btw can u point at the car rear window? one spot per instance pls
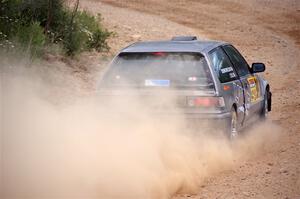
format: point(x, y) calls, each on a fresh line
point(159, 69)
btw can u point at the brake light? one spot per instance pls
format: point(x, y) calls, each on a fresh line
point(205, 102)
point(159, 53)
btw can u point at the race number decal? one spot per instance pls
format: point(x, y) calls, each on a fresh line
point(254, 88)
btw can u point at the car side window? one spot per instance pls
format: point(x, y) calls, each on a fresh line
point(222, 65)
point(237, 59)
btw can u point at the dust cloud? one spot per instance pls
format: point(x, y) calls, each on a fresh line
point(80, 148)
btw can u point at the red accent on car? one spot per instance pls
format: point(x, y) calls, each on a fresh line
point(159, 53)
point(204, 102)
point(226, 88)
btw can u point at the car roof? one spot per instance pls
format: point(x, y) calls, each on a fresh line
point(201, 46)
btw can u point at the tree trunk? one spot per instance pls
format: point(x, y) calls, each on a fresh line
point(49, 16)
point(74, 10)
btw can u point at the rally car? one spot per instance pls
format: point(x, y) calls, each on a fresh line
point(210, 80)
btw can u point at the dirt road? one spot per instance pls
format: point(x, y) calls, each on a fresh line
point(59, 140)
point(266, 31)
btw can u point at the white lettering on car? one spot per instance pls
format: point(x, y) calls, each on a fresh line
point(232, 75)
point(226, 70)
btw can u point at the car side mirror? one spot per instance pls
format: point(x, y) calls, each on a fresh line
point(258, 67)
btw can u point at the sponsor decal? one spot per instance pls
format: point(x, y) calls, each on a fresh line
point(254, 88)
point(241, 109)
point(226, 70)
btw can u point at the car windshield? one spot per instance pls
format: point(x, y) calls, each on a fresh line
point(159, 69)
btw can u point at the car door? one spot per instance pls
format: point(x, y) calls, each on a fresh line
point(249, 81)
point(231, 86)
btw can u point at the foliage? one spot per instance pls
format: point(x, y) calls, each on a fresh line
point(85, 34)
point(31, 36)
point(39, 23)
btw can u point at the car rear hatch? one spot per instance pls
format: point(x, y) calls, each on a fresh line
point(164, 82)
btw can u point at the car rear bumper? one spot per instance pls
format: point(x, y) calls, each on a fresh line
point(217, 121)
point(212, 121)
point(208, 116)
point(195, 116)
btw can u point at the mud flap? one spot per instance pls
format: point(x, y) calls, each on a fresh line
point(269, 101)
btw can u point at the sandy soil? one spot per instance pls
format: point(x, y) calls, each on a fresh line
point(266, 31)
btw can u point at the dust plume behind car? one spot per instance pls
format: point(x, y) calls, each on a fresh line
point(78, 150)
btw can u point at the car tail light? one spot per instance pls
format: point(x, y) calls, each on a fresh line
point(205, 102)
point(159, 54)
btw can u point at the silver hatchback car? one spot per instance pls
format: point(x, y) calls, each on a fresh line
point(210, 80)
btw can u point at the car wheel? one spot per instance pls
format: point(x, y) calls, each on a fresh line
point(265, 111)
point(233, 125)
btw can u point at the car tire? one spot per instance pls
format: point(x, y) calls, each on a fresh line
point(265, 106)
point(232, 128)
